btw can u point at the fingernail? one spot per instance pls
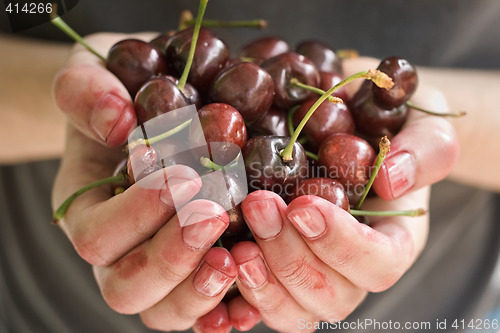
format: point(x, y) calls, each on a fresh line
point(177, 191)
point(264, 218)
point(106, 114)
point(308, 221)
point(209, 281)
point(401, 172)
point(253, 273)
point(200, 231)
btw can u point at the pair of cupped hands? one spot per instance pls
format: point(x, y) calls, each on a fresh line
point(311, 260)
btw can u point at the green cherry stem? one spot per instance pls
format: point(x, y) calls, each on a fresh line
point(199, 18)
point(187, 20)
point(433, 113)
point(411, 212)
point(159, 137)
point(379, 78)
point(61, 210)
point(297, 83)
point(64, 27)
point(209, 164)
point(384, 147)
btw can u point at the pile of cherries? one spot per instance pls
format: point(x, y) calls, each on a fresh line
point(252, 103)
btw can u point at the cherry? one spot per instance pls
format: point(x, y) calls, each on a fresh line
point(263, 48)
point(245, 86)
point(156, 97)
point(348, 159)
point(161, 42)
point(404, 76)
point(329, 118)
point(134, 61)
point(209, 58)
point(192, 95)
point(265, 168)
point(328, 80)
point(282, 69)
point(372, 120)
point(223, 129)
point(141, 162)
point(321, 55)
point(325, 188)
point(274, 122)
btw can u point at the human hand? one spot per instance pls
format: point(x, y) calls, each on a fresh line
point(144, 261)
point(313, 261)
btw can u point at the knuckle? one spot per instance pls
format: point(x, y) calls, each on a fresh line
point(296, 274)
point(90, 248)
point(115, 300)
point(384, 282)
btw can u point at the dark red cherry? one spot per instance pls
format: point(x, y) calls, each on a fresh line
point(264, 48)
point(223, 129)
point(371, 119)
point(265, 168)
point(325, 188)
point(274, 122)
point(329, 118)
point(328, 80)
point(245, 86)
point(134, 61)
point(161, 42)
point(349, 160)
point(192, 95)
point(156, 97)
point(286, 66)
point(321, 55)
point(404, 76)
point(141, 162)
point(209, 58)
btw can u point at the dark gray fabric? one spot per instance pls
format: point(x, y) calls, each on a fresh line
point(46, 287)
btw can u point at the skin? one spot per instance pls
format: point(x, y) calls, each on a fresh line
point(336, 280)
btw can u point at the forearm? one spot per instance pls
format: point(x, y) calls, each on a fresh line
point(31, 127)
point(477, 93)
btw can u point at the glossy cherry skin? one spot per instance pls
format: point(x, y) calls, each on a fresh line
point(321, 55)
point(265, 168)
point(224, 131)
point(141, 162)
point(161, 42)
point(274, 122)
point(245, 86)
point(210, 57)
point(282, 69)
point(404, 76)
point(264, 48)
point(325, 188)
point(192, 95)
point(349, 160)
point(329, 118)
point(328, 80)
point(156, 97)
point(134, 61)
point(372, 120)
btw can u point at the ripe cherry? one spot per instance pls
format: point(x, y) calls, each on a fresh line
point(134, 61)
point(209, 58)
point(274, 122)
point(321, 55)
point(328, 80)
point(223, 129)
point(404, 76)
point(325, 188)
point(264, 48)
point(286, 66)
point(245, 86)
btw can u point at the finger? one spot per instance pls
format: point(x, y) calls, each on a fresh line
point(102, 230)
point(373, 258)
point(264, 292)
point(201, 292)
point(242, 315)
point(422, 153)
point(313, 284)
point(93, 99)
point(216, 321)
point(153, 269)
